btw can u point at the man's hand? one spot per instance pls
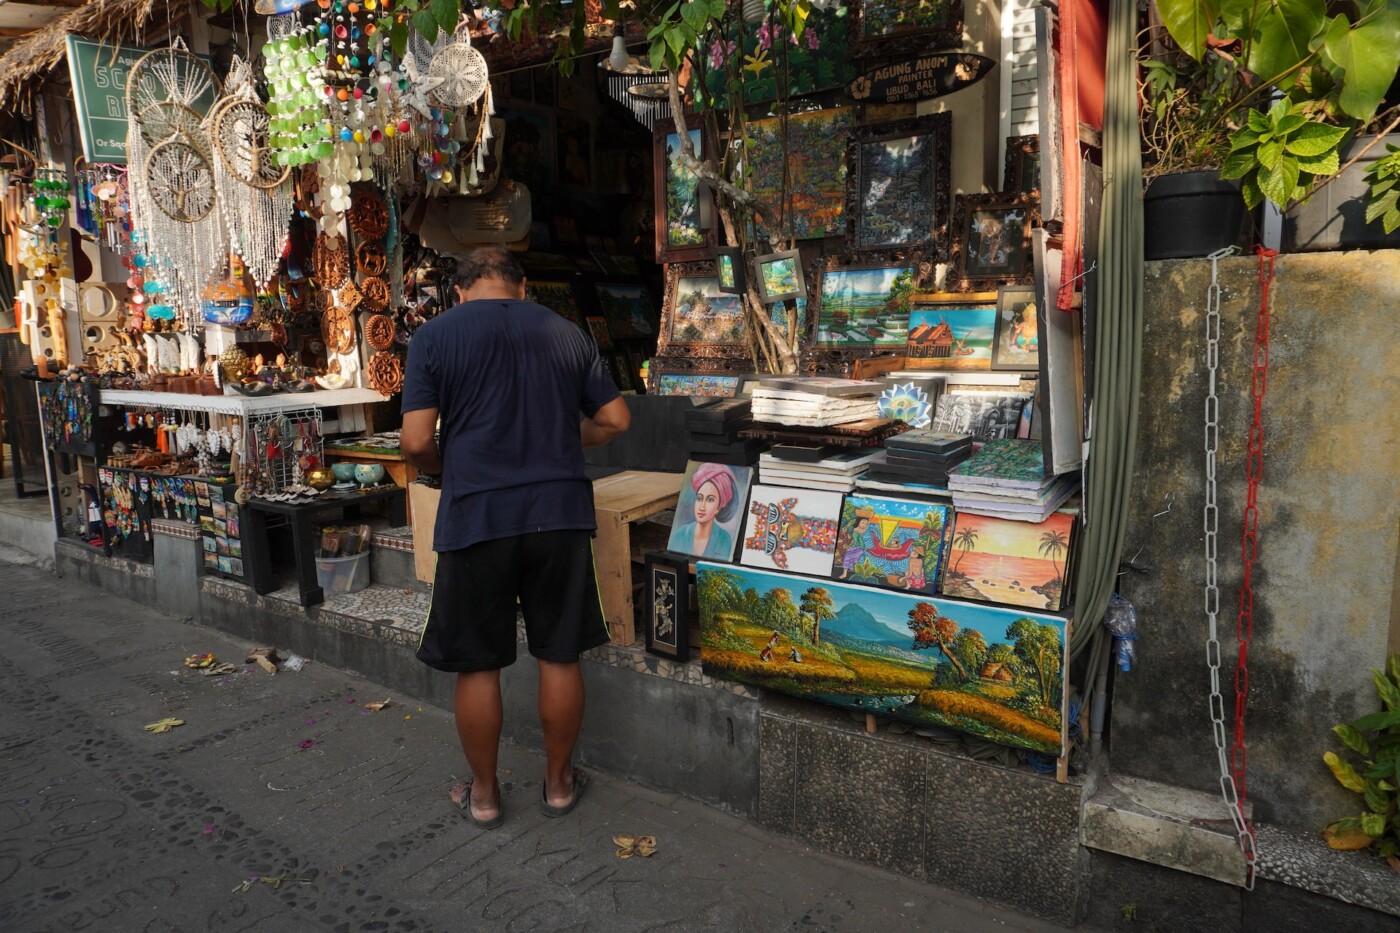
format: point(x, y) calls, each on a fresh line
point(607, 423)
point(418, 440)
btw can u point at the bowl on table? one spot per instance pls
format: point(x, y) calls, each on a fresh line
point(369, 474)
point(344, 472)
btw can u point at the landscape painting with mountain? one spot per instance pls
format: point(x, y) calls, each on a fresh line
point(865, 307)
point(991, 672)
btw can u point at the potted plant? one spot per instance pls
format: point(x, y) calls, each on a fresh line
point(1315, 74)
point(1188, 209)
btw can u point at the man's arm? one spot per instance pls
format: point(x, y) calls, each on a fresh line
point(607, 423)
point(418, 440)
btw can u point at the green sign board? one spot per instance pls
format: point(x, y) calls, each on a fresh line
point(99, 93)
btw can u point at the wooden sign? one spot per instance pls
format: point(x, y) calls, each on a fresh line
point(922, 78)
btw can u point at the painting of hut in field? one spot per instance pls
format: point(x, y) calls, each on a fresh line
point(991, 672)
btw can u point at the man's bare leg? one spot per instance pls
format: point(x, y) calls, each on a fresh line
point(561, 716)
point(478, 709)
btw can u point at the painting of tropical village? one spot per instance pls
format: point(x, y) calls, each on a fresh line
point(682, 201)
point(865, 307)
point(991, 672)
point(892, 542)
point(1003, 561)
point(951, 338)
point(556, 296)
point(704, 314)
point(815, 160)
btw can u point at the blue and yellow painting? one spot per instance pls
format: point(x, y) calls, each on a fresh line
point(865, 307)
point(896, 543)
point(994, 673)
point(951, 338)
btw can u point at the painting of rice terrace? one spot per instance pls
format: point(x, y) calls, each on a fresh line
point(990, 672)
point(865, 307)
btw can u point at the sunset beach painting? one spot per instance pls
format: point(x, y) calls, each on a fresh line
point(1002, 561)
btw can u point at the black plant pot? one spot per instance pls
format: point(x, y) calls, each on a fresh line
point(1335, 217)
point(1192, 214)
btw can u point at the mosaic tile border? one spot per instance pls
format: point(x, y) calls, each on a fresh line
point(398, 616)
point(175, 529)
point(391, 542)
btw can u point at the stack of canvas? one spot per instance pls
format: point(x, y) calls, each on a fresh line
point(816, 402)
point(814, 467)
point(714, 432)
point(1007, 479)
point(921, 459)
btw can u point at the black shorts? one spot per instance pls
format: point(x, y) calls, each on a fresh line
point(472, 619)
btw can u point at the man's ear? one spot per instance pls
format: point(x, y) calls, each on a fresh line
point(520, 292)
point(461, 294)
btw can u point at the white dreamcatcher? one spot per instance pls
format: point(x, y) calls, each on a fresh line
point(254, 193)
point(458, 78)
point(172, 172)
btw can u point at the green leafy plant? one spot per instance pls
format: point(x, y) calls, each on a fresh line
point(1376, 739)
point(1182, 104)
point(1279, 155)
point(1331, 61)
point(1383, 178)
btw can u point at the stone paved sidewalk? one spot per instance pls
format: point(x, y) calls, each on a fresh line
point(107, 827)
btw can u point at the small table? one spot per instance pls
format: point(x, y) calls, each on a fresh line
point(396, 467)
point(299, 516)
point(619, 500)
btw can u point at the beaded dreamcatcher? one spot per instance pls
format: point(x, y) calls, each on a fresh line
point(459, 72)
point(254, 192)
point(171, 180)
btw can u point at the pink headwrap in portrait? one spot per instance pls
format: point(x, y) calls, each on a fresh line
point(718, 474)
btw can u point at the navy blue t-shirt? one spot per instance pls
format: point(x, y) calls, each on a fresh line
point(510, 380)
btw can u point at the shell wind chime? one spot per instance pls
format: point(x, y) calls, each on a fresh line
point(254, 190)
point(452, 87)
point(172, 177)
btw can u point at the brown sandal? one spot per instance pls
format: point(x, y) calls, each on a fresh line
point(461, 797)
point(580, 782)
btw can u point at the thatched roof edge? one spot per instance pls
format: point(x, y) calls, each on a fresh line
point(30, 60)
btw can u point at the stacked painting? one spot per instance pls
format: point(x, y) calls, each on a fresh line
point(992, 672)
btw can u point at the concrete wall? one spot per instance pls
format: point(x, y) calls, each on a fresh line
point(1329, 514)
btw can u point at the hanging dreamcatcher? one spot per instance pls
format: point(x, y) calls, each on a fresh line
point(171, 180)
point(254, 192)
point(180, 181)
point(459, 73)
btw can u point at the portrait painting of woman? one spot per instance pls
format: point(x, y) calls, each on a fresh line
point(710, 510)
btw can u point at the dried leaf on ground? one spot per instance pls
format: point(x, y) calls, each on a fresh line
point(165, 725)
point(219, 670)
point(1350, 839)
point(377, 705)
point(629, 845)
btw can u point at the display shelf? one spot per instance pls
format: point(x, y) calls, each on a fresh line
point(241, 404)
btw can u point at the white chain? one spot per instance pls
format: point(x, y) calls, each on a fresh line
point(1211, 520)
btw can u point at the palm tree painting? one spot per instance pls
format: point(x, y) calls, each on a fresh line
point(1005, 561)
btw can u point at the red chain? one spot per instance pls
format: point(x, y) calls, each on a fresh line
point(1249, 537)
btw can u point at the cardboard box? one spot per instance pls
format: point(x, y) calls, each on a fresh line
point(424, 500)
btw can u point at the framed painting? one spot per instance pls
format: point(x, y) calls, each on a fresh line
point(701, 385)
point(668, 606)
point(574, 138)
point(1003, 561)
point(682, 365)
point(897, 192)
point(1016, 339)
point(598, 327)
point(791, 529)
point(729, 269)
point(699, 320)
point(680, 235)
point(621, 365)
point(991, 240)
point(990, 415)
point(710, 512)
point(814, 161)
point(992, 672)
point(529, 148)
point(556, 296)
point(1022, 174)
point(951, 335)
point(894, 543)
point(816, 64)
point(910, 400)
point(906, 27)
point(780, 276)
point(626, 308)
point(864, 307)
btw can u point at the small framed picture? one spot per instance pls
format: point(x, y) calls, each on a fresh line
point(729, 267)
point(1016, 340)
point(668, 605)
point(598, 327)
point(992, 240)
point(780, 276)
point(1022, 165)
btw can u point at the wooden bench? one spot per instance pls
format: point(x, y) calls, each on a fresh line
point(619, 500)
